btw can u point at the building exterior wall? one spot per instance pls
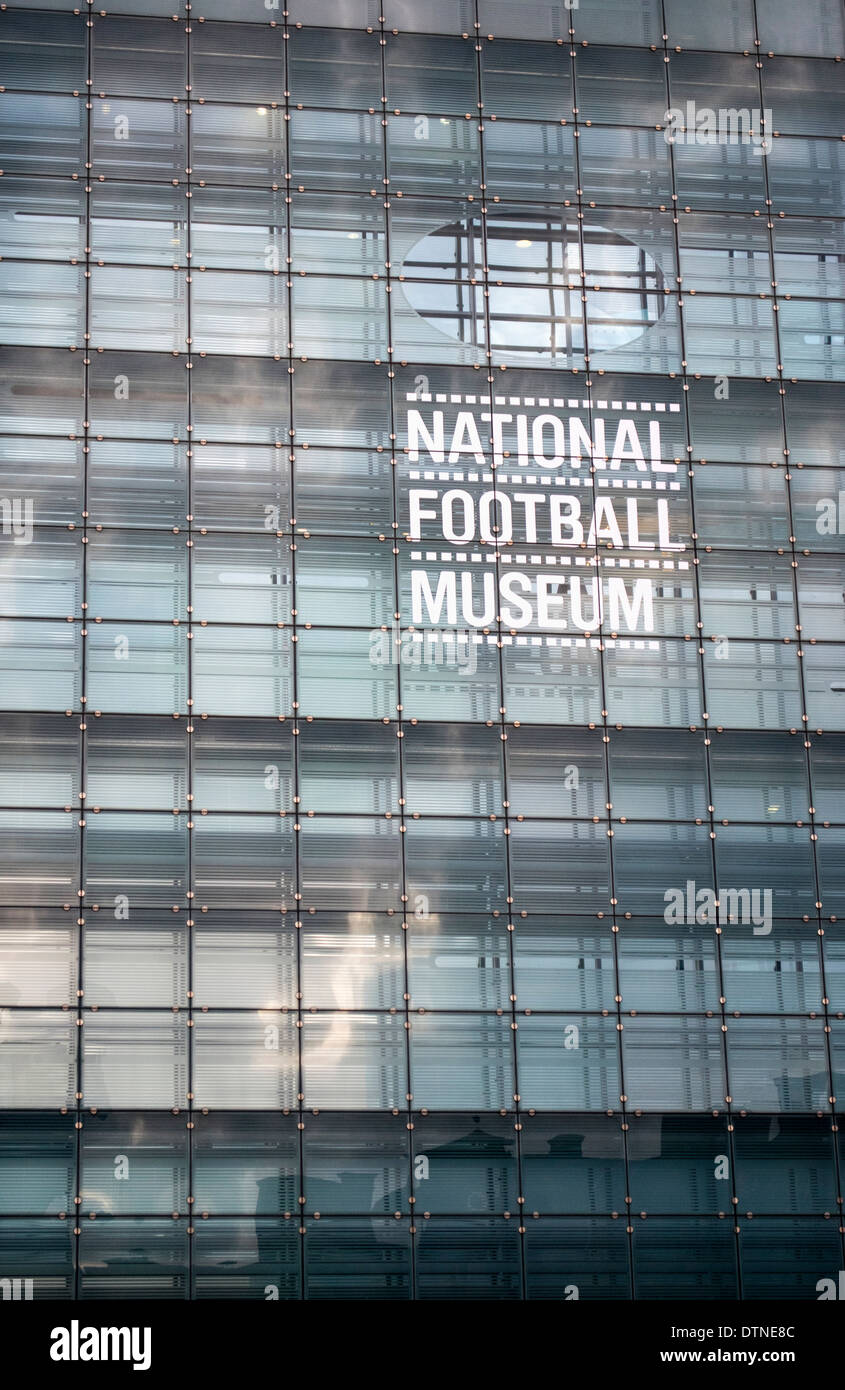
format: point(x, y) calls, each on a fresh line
point(421, 605)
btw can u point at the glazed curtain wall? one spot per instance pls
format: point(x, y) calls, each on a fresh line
point(347, 945)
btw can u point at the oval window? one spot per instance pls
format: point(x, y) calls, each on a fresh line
point(538, 268)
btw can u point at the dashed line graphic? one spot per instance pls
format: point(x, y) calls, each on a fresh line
point(612, 561)
point(544, 402)
point(598, 644)
point(541, 480)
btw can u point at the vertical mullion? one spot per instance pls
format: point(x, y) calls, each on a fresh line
point(81, 919)
point(698, 638)
point(286, 444)
point(395, 629)
point(189, 463)
point(595, 559)
point(490, 392)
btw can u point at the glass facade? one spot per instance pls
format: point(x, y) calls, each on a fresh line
point(423, 651)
